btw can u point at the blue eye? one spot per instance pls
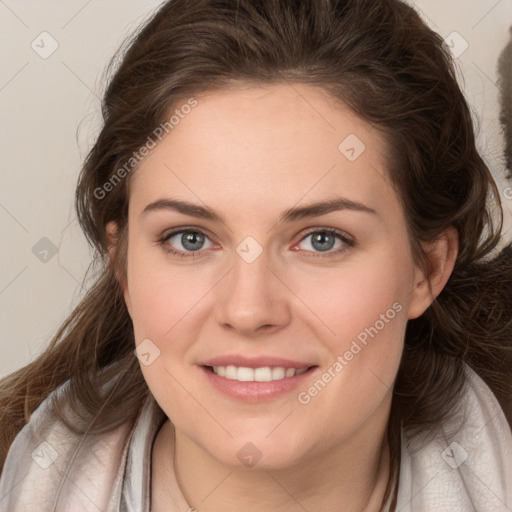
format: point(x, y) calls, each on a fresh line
point(191, 241)
point(324, 240)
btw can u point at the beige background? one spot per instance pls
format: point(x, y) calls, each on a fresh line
point(50, 114)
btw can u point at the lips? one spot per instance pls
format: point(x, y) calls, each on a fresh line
point(256, 362)
point(255, 379)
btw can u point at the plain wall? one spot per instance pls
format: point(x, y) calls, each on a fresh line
point(50, 116)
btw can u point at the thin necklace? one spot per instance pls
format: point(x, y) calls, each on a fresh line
point(386, 507)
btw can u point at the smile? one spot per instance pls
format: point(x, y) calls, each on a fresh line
point(263, 374)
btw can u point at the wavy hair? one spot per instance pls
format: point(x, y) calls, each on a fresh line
point(382, 61)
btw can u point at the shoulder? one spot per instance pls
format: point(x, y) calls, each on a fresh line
point(48, 465)
point(467, 465)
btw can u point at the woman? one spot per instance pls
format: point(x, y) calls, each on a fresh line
point(296, 236)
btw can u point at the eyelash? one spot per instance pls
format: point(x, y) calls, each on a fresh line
point(349, 243)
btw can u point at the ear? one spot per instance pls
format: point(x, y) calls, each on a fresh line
point(441, 255)
point(112, 238)
point(111, 231)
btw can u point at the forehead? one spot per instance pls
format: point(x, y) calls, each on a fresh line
point(259, 144)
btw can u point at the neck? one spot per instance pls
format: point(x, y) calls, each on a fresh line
point(351, 477)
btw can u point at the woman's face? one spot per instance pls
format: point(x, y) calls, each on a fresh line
point(263, 282)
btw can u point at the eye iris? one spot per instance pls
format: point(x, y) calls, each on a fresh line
point(190, 238)
point(326, 241)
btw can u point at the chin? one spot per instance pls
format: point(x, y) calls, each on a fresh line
point(258, 453)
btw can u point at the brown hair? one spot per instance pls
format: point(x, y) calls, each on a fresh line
point(505, 87)
point(381, 60)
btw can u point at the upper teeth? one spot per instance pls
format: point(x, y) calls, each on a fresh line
point(264, 374)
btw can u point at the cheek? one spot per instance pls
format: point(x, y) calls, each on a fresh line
point(162, 296)
point(353, 297)
point(165, 299)
point(364, 306)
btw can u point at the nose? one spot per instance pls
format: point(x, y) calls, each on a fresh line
point(252, 300)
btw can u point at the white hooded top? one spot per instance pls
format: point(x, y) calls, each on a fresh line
point(466, 467)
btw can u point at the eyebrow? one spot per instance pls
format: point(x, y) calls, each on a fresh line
point(289, 215)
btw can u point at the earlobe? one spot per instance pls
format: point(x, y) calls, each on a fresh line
point(441, 256)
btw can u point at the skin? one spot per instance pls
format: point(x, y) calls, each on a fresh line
point(249, 153)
